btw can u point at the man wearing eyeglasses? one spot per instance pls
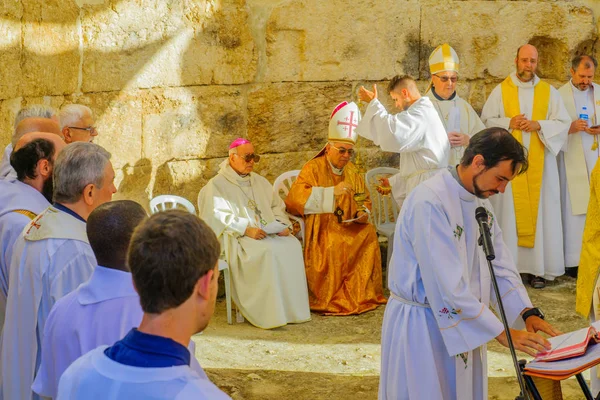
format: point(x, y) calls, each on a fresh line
point(417, 133)
point(529, 211)
point(267, 269)
point(459, 118)
point(77, 123)
point(341, 251)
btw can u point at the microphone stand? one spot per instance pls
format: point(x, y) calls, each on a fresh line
point(485, 240)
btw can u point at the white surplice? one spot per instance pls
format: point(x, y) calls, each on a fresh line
point(438, 321)
point(546, 258)
point(51, 258)
point(585, 160)
point(99, 312)
point(457, 116)
point(417, 134)
point(6, 170)
point(94, 376)
point(14, 195)
point(267, 276)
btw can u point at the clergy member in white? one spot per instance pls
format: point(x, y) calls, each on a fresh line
point(267, 268)
point(31, 118)
point(417, 133)
point(173, 258)
point(438, 319)
point(533, 111)
point(578, 158)
point(22, 199)
point(459, 118)
point(51, 258)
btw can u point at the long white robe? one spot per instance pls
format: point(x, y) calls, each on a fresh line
point(417, 134)
point(268, 279)
point(438, 321)
point(94, 376)
point(50, 259)
point(573, 224)
point(6, 170)
point(99, 312)
point(546, 258)
point(14, 195)
point(457, 116)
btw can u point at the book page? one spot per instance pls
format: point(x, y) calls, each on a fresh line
point(572, 343)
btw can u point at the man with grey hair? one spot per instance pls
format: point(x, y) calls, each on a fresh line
point(32, 118)
point(77, 123)
point(51, 258)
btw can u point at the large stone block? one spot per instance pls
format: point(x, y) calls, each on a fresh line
point(192, 122)
point(50, 59)
point(486, 34)
point(11, 13)
point(8, 110)
point(156, 43)
point(287, 117)
point(314, 40)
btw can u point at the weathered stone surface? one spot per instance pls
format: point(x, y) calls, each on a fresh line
point(11, 13)
point(486, 34)
point(50, 59)
point(8, 110)
point(192, 122)
point(178, 43)
point(314, 40)
point(287, 117)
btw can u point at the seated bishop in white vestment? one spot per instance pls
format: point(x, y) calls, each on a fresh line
point(267, 270)
point(417, 133)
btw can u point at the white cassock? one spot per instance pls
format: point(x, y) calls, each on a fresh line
point(51, 258)
point(457, 116)
point(546, 258)
point(99, 312)
point(18, 204)
point(6, 170)
point(268, 279)
point(575, 165)
point(438, 321)
point(94, 376)
point(417, 134)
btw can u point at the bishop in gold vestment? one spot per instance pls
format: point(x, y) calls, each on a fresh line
point(341, 254)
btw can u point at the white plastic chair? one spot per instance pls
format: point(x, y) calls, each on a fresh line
point(170, 202)
point(385, 209)
point(224, 268)
point(281, 188)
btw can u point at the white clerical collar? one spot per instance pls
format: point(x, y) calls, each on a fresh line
point(522, 84)
point(336, 171)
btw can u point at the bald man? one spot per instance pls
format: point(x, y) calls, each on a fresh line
point(529, 210)
point(417, 133)
point(25, 197)
point(27, 125)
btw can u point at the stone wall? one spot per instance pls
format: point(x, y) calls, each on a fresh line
point(172, 82)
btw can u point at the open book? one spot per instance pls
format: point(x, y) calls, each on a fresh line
point(570, 344)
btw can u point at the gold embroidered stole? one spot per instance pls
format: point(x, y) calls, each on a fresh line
point(526, 187)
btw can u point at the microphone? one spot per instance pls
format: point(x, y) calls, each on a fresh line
point(481, 215)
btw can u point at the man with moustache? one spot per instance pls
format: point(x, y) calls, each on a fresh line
point(579, 156)
point(77, 123)
point(24, 198)
point(417, 133)
point(533, 111)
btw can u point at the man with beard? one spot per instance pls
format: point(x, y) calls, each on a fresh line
point(438, 320)
point(22, 199)
point(578, 158)
point(528, 213)
point(417, 133)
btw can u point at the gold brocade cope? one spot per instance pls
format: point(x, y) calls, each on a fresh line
point(342, 260)
point(589, 261)
point(527, 187)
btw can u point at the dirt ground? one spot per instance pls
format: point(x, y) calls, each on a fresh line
point(338, 357)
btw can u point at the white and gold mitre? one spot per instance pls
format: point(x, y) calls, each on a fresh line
point(443, 58)
point(343, 122)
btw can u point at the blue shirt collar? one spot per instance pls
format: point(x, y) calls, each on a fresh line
point(60, 207)
point(139, 349)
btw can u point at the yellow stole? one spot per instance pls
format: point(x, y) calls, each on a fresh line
point(526, 187)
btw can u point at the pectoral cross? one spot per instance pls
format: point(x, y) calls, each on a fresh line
point(254, 207)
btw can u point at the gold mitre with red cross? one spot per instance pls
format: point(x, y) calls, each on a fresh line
point(343, 122)
point(443, 58)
